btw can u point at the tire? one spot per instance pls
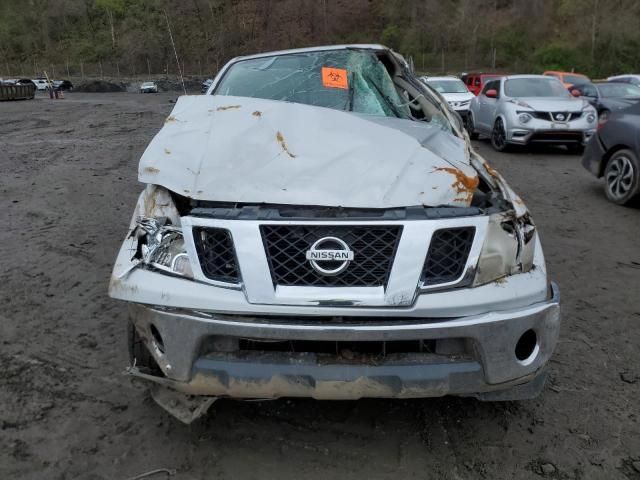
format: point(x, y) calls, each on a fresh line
point(622, 177)
point(139, 355)
point(499, 136)
point(473, 135)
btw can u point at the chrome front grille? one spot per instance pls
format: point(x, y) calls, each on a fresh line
point(216, 254)
point(374, 248)
point(447, 255)
point(556, 116)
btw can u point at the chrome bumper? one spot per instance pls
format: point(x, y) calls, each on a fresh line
point(494, 365)
point(546, 133)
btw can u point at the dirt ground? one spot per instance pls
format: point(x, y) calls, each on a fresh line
point(67, 190)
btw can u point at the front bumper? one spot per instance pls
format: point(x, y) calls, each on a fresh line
point(576, 132)
point(181, 345)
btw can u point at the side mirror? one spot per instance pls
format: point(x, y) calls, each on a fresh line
point(493, 93)
point(576, 93)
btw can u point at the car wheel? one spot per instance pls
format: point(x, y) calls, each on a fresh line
point(139, 355)
point(499, 136)
point(473, 135)
point(622, 177)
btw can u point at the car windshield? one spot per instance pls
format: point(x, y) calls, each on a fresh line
point(352, 80)
point(535, 87)
point(448, 86)
point(147, 84)
point(573, 79)
point(619, 90)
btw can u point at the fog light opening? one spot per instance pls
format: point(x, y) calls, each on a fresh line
point(157, 338)
point(527, 347)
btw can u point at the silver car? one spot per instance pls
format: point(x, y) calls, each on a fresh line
point(522, 109)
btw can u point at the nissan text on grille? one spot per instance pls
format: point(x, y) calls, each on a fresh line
point(318, 225)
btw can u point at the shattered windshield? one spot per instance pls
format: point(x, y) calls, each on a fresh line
point(350, 80)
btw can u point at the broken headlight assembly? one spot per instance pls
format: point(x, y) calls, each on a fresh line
point(160, 246)
point(508, 248)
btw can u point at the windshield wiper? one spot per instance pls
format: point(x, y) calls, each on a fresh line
point(386, 99)
point(351, 92)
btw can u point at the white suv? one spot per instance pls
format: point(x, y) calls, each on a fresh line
point(454, 91)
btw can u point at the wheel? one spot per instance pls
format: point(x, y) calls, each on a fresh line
point(499, 136)
point(139, 355)
point(622, 177)
point(473, 135)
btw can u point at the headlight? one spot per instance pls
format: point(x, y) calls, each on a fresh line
point(508, 249)
point(519, 103)
point(591, 117)
point(171, 256)
point(161, 246)
point(524, 118)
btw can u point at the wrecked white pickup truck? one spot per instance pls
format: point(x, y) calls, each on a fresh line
point(318, 225)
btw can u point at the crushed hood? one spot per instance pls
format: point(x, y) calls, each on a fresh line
point(246, 150)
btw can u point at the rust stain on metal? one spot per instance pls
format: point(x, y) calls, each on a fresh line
point(492, 171)
point(465, 186)
point(151, 169)
point(229, 107)
point(280, 139)
point(257, 113)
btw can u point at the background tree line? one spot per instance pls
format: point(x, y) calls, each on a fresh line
point(130, 37)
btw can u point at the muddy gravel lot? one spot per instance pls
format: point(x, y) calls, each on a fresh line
point(68, 188)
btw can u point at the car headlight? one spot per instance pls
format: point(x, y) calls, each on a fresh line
point(524, 118)
point(508, 249)
point(519, 103)
point(161, 246)
point(591, 117)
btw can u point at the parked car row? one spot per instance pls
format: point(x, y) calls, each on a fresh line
point(40, 83)
point(523, 109)
point(560, 108)
point(519, 109)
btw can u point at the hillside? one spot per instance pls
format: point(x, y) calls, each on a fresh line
point(130, 37)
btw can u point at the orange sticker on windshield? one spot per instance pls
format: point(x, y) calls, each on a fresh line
point(334, 78)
